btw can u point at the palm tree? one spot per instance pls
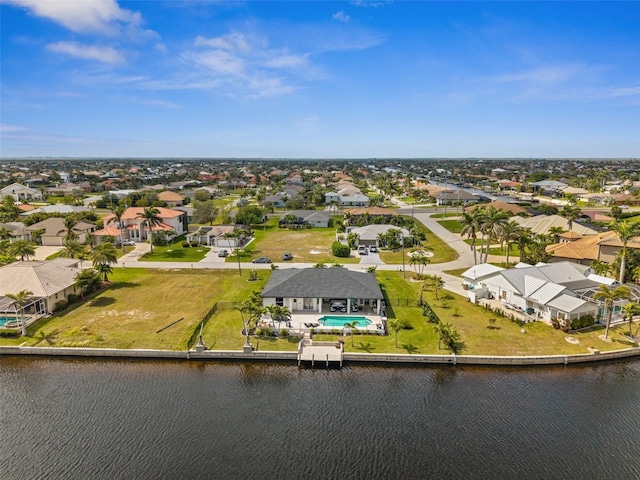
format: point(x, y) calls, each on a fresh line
point(492, 224)
point(438, 283)
point(626, 231)
point(600, 267)
point(571, 213)
point(419, 262)
point(609, 297)
point(70, 222)
point(103, 255)
point(118, 213)
point(396, 325)
point(353, 327)
point(87, 280)
point(629, 311)
point(555, 232)
point(72, 249)
point(510, 231)
point(523, 238)
point(21, 299)
point(151, 217)
point(279, 313)
point(22, 249)
point(103, 269)
point(5, 233)
point(470, 222)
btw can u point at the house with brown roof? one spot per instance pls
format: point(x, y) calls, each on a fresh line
point(512, 208)
point(173, 222)
point(172, 199)
point(55, 231)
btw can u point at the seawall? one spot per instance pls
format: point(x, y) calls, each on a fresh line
point(348, 357)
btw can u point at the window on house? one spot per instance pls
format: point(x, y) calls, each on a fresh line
point(503, 295)
point(280, 301)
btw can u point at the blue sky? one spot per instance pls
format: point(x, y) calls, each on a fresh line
point(360, 79)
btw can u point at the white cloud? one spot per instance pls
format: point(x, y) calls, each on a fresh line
point(161, 47)
point(4, 128)
point(341, 16)
point(86, 16)
point(231, 41)
point(88, 52)
point(544, 75)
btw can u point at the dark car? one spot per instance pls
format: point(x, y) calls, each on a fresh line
point(223, 253)
point(262, 260)
point(286, 256)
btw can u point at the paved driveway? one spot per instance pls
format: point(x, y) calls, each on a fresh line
point(43, 252)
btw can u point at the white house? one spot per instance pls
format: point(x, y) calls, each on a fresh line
point(20, 192)
point(173, 222)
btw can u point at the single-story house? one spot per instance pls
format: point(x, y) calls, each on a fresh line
point(49, 281)
point(368, 235)
point(216, 236)
point(55, 231)
point(314, 218)
point(512, 208)
point(561, 290)
point(456, 197)
point(17, 230)
point(354, 214)
point(542, 224)
point(171, 198)
point(312, 289)
point(58, 208)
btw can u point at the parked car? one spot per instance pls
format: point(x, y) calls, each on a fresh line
point(362, 250)
point(373, 249)
point(286, 256)
point(262, 260)
point(126, 243)
point(223, 253)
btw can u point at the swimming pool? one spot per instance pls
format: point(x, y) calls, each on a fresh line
point(4, 320)
point(340, 320)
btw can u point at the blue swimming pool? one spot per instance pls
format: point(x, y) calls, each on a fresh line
point(4, 319)
point(340, 320)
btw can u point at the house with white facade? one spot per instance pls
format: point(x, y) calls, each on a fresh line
point(134, 227)
point(20, 192)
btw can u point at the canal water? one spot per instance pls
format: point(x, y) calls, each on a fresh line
point(113, 419)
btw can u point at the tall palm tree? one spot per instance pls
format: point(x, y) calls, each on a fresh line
point(555, 232)
point(151, 217)
point(626, 231)
point(118, 213)
point(471, 222)
point(22, 249)
point(571, 213)
point(629, 311)
point(279, 313)
point(493, 222)
point(103, 256)
point(523, 239)
point(21, 299)
point(510, 232)
point(609, 296)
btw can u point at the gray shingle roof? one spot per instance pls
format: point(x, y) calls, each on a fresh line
point(322, 283)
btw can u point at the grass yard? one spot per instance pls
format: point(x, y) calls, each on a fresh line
point(312, 245)
point(453, 226)
point(445, 215)
point(504, 337)
point(175, 252)
point(140, 302)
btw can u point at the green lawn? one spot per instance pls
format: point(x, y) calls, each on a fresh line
point(453, 226)
point(175, 252)
point(443, 215)
point(311, 245)
point(141, 301)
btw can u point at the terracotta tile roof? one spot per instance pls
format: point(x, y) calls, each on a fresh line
point(571, 234)
point(587, 247)
point(498, 205)
point(133, 212)
point(110, 231)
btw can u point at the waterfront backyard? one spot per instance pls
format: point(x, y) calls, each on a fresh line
point(141, 302)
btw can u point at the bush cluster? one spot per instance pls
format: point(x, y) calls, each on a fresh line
point(340, 250)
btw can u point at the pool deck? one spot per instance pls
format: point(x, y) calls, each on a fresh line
point(304, 321)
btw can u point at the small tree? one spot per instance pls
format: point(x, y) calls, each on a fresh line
point(419, 261)
point(87, 281)
point(609, 296)
point(353, 327)
point(396, 325)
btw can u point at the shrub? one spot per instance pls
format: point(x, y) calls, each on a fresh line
point(185, 245)
point(283, 332)
point(72, 297)
point(265, 332)
point(582, 322)
point(9, 334)
point(60, 305)
point(340, 250)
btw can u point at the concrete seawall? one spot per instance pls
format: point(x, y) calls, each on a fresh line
point(348, 357)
